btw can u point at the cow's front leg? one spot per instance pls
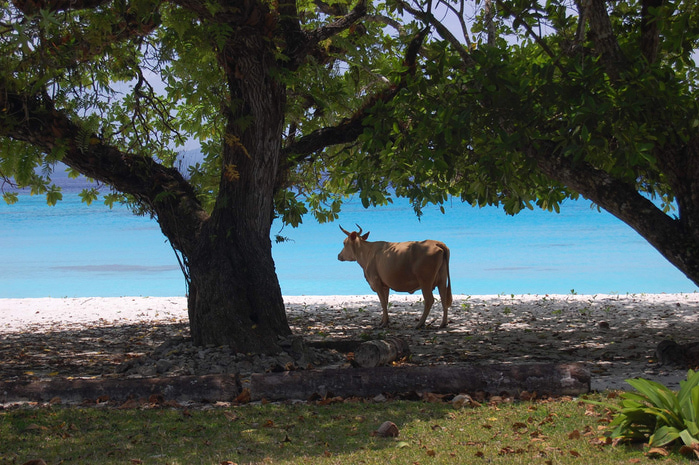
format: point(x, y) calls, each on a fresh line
point(429, 300)
point(383, 298)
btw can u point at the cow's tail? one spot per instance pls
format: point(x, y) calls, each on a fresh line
point(447, 298)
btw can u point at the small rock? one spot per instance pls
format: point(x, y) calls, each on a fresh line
point(388, 429)
point(163, 365)
point(463, 400)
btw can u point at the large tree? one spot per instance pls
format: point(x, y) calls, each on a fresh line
point(111, 88)
point(525, 103)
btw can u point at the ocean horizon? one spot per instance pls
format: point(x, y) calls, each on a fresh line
point(75, 250)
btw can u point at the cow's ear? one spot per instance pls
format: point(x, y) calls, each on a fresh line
point(365, 236)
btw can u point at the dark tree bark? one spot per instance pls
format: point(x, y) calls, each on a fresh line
point(553, 379)
point(380, 352)
point(650, 39)
point(236, 236)
point(209, 388)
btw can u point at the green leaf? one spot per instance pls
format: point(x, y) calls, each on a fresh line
point(10, 197)
point(657, 394)
point(687, 438)
point(53, 195)
point(88, 195)
point(663, 436)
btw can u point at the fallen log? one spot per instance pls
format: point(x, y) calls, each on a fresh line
point(547, 378)
point(209, 388)
point(380, 352)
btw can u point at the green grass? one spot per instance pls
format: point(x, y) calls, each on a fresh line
point(547, 433)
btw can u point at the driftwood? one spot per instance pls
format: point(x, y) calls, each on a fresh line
point(551, 379)
point(209, 388)
point(380, 352)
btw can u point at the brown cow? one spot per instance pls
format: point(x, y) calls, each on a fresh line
point(403, 267)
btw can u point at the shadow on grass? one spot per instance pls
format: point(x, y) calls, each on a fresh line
point(251, 433)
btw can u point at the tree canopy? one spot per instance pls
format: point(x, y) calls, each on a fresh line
point(526, 103)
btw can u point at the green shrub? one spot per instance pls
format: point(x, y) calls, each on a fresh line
point(657, 414)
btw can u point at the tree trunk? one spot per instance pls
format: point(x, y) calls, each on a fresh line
point(234, 295)
point(235, 298)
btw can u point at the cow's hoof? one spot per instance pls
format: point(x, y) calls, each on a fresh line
point(383, 325)
point(443, 325)
point(420, 326)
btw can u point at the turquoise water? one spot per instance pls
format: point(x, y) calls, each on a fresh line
point(78, 251)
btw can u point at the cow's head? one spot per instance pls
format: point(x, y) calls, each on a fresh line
point(351, 243)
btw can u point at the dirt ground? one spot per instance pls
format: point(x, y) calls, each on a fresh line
point(615, 336)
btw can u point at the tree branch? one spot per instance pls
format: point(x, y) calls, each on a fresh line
point(604, 38)
point(459, 14)
point(32, 118)
point(650, 38)
point(619, 198)
point(530, 31)
point(56, 52)
point(428, 18)
point(350, 128)
point(32, 7)
point(301, 44)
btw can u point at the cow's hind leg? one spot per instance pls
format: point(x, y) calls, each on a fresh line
point(445, 296)
point(446, 303)
point(444, 285)
point(383, 298)
point(429, 300)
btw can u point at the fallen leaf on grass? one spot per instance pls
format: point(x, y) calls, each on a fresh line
point(519, 427)
point(432, 398)
point(34, 427)
point(658, 451)
point(244, 397)
point(510, 450)
point(691, 450)
point(601, 441)
point(130, 404)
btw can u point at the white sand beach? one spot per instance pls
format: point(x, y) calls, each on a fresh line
point(615, 335)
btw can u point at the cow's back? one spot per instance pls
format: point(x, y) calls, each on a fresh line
point(406, 266)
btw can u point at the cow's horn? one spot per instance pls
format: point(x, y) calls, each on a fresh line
point(360, 229)
point(344, 230)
